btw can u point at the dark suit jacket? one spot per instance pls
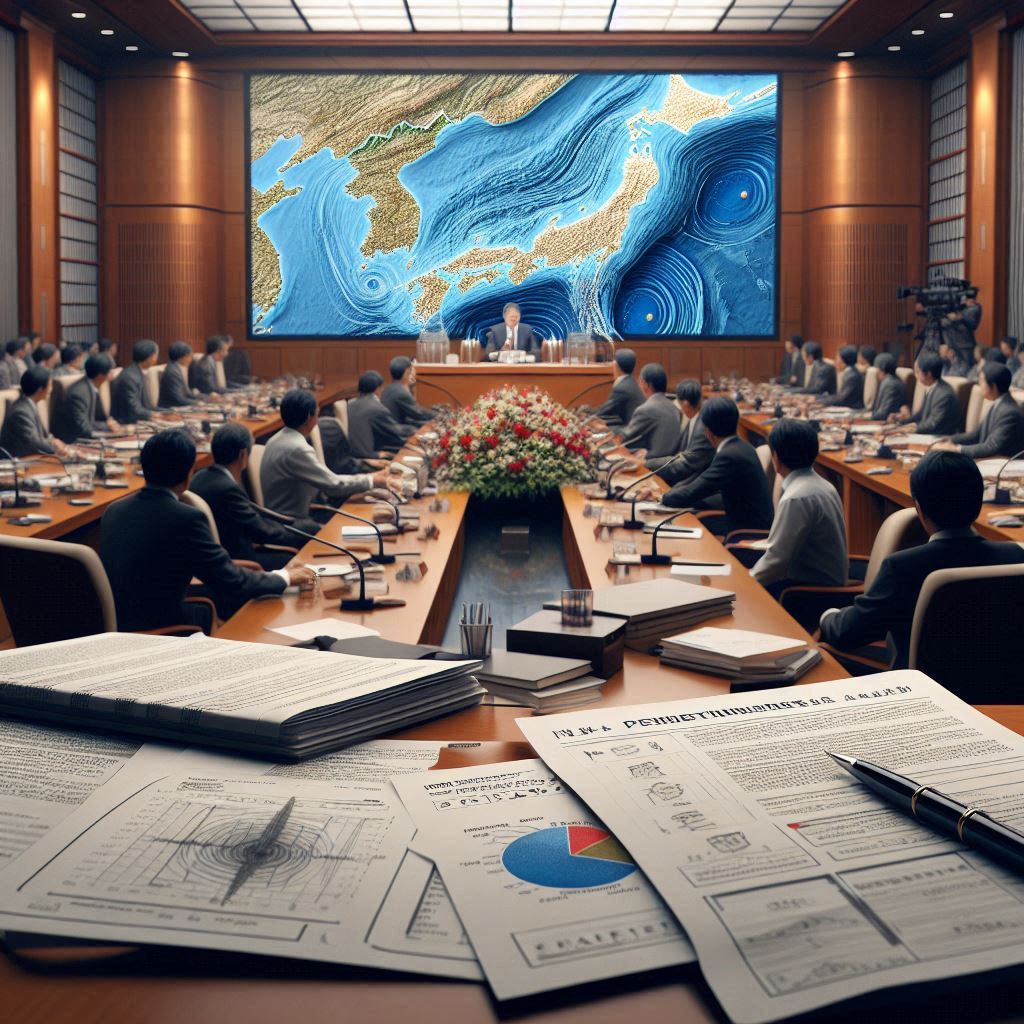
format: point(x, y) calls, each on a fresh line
point(890, 397)
point(736, 474)
point(527, 340)
point(337, 451)
point(398, 401)
point(128, 401)
point(240, 526)
point(623, 400)
point(697, 454)
point(823, 379)
point(80, 414)
point(152, 545)
point(939, 412)
point(372, 429)
point(23, 432)
point(789, 367)
point(203, 376)
point(174, 388)
point(851, 390)
point(654, 426)
point(888, 606)
point(1001, 432)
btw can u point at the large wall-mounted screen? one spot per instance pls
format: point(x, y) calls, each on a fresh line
point(627, 205)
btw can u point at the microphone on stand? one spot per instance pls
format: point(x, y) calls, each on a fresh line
point(633, 523)
point(380, 558)
point(654, 558)
point(20, 500)
point(1002, 495)
point(616, 465)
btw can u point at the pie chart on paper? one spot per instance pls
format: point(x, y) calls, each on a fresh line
point(568, 857)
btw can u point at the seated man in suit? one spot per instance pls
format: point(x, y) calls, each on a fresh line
point(851, 384)
point(952, 362)
point(625, 396)
point(46, 355)
point(338, 452)
point(807, 542)
point(735, 475)
point(891, 394)
point(240, 525)
point(152, 545)
point(694, 451)
point(940, 411)
point(129, 402)
point(511, 334)
point(81, 414)
point(983, 355)
point(820, 376)
point(947, 491)
point(1008, 346)
point(655, 424)
point(292, 476)
point(23, 432)
point(13, 364)
point(174, 388)
point(791, 372)
point(397, 398)
point(72, 358)
point(371, 428)
point(203, 373)
point(237, 365)
point(866, 356)
point(1001, 432)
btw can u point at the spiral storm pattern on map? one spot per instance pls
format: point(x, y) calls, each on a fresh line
point(626, 204)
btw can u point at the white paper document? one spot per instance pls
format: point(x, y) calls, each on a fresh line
point(798, 887)
point(340, 629)
point(547, 896)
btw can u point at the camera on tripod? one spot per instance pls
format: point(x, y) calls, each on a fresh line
point(941, 297)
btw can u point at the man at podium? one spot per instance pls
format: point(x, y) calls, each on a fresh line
point(511, 335)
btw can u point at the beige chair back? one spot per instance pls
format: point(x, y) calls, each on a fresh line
point(104, 390)
point(222, 377)
point(962, 389)
point(901, 530)
point(870, 387)
point(193, 499)
point(152, 378)
point(252, 474)
point(919, 393)
point(977, 408)
point(341, 414)
point(7, 396)
point(318, 444)
point(43, 408)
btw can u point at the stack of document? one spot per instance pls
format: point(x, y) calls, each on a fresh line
point(540, 682)
point(740, 654)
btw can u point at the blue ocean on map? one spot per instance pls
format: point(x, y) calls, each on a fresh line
point(697, 257)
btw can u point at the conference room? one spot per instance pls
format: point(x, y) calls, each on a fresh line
point(412, 408)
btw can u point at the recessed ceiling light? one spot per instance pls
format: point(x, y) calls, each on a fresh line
point(132, 49)
point(846, 53)
point(78, 14)
point(106, 31)
point(179, 53)
point(946, 14)
point(895, 49)
point(917, 32)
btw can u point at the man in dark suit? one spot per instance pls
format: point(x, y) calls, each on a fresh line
point(338, 455)
point(81, 414)
point(940, 411)
point(1001, 432)
point(511, 334)
point(371, 428)
point(152, 545)
point(791, 372)
point(129, 402)
point(625, 396)
point(655, 424)
point(735, 475)
point(820, 376)
point(241, 527)
point(203, 373)
point(397, 398)
point(947, 491)
point(694, 450)
point(851, 384)
point(72, 358)
point(23, 432)
point(174, 388)
point(891, 394)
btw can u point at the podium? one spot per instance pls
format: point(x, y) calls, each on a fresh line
point(466, 382)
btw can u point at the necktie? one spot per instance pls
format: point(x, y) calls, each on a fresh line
point(514, 330)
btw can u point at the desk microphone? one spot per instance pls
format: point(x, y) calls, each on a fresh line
point(633, 523)
point(614, 466)
point(20, 500)
point(654, 558)
point(380, 558)
point(1002, 495)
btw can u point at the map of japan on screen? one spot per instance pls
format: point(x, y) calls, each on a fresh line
point(627, 205)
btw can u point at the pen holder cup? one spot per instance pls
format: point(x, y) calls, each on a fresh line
point(577, 607)
point(475, 639)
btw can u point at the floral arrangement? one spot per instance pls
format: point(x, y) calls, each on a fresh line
point(514, 443)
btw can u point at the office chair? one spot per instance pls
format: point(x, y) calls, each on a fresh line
point(870, 387)
point(152, 378)
point(977, 409)
point(909, 381)
point(252, 474)
point(962, 389)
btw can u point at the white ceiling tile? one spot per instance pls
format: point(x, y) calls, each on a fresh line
point(446, 24)
point(678, 24)
point(746, 24)
point(637, 23)
point(379, 23)
point(796, 24)
point(343, 23)
point(584, 23)
point(227, 24)
point(492, 24)
point(255, 5)
point(295, 24)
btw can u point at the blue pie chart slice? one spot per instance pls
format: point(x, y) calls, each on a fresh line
point(568, 857)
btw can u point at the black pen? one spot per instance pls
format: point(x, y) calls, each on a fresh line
point(969, 824)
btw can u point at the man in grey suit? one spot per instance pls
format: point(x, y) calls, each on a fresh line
point(891, 394)
point(23, 432)
point(291, 474)
point(851, 384)
point(371, 428)
point(81, 413)
point(625, 396)
point(174, 389)
point(822, 376)
point(203, 373)
point(1002, 430)
point(397, 398)
point(694, 450)
point(511, 334)
point(940, 410)
point(13, 364)
point(129, 402)
point(655, 424)
point(72, 358)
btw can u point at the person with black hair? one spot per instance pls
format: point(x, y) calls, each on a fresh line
point(1008, 346)
point(292, 476)
point(397, 397)
point(891, 393)
point(175, 391)
point(107, 347)
point(807, 541)
point(734, 475)
point(23, 432)
point(866, 356)
point(81, 414)
point(791, 371)
point(820, 377)
point(952, 362)
point(983, 355)
point(511, 333)
point(129, 402)
point(72, 357)
point(694, 449)
point(947, 490)
point(940, 411)
point(851, 384)
point(13, 364)
point(241, 527)
point(46, 355)
point(152, 546)
point(202, 376)
point(625, 396)
point(371, 428)
point(1001, 432)
point(655, 424)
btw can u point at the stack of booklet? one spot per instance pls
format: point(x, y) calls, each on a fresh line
point(740, 655)
point(538, 681)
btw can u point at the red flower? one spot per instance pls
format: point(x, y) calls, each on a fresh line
point(465, 440)
point(470, 456)
point(557, 437)
point(492, 441)
point(491, 413)
point(440, 460)
point(516, 466)
point(563, 421)
point(446, 440)
point(521, 431)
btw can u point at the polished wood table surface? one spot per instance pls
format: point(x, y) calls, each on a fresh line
point(466, 382)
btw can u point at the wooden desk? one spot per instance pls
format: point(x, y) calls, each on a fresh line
point(468, 381)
